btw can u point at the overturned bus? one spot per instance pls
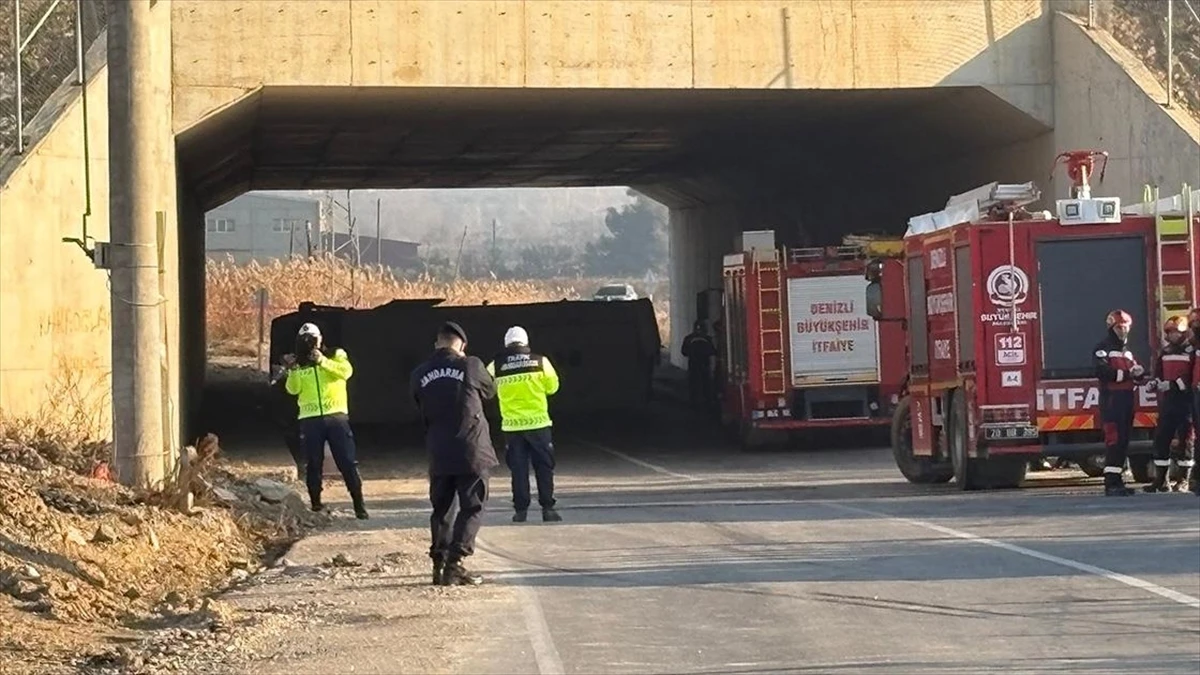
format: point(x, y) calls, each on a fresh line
point(605, 352)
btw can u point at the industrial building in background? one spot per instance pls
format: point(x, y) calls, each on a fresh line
point(264, 227)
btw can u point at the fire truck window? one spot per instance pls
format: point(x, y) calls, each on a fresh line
point(965, 304)
point(918, 330)
point(1080, 281)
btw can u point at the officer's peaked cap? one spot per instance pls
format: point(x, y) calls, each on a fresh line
point(452, 328)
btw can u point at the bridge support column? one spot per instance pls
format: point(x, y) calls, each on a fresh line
point(135, 160)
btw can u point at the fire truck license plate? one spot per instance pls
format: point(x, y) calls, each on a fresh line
point(1015, 432)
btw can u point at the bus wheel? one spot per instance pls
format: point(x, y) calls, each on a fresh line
point(1092, 465)
point(1139, 466)
point(917, 470)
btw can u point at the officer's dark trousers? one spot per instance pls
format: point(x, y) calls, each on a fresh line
point(521, 449)
point(455, 540)
point(1116, 412)
point(315, 432)
point(699, 386)
point(1174, 417)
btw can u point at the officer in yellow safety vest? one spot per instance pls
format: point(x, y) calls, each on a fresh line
point(523, 381)
point(318, 381)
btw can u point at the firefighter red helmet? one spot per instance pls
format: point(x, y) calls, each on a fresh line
point(1176, 324)
point(1119, 317)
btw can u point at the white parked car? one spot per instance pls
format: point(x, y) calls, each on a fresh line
point(613, 292)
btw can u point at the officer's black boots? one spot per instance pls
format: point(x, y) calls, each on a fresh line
point(549, 515)
point(437, 572)
point(360, 508)
point(1115, 487)
point(314, 499)
point(454, 574)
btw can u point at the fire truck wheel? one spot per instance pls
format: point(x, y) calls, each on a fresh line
point(972, 473)
point(917, 470)
point(969, 473)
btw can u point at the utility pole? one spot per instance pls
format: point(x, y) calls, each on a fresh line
point(494, 246)
point(1170, 53)
point(378, 233)
point(132, 176)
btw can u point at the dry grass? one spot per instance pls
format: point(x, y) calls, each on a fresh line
point(72, 427)
point(232, 310)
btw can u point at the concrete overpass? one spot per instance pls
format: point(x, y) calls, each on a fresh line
point(814, 118)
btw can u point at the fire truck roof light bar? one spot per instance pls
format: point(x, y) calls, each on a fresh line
point(972, 206)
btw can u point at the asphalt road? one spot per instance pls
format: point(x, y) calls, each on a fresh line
point(678, 554)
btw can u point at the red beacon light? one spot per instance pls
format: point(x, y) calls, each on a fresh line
point(1082, 208)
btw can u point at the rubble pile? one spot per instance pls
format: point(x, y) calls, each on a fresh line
point(83, 558)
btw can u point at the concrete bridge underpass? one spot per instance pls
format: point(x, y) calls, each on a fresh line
point(814, 119)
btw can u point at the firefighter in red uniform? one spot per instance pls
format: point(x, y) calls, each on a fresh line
point(1173, 380)
point(1194, 339)
point(1119, 373)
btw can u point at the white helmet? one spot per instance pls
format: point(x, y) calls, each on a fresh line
point(516, 336)
point(310, 329)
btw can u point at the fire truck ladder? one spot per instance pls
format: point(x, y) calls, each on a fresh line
point(770, 320)
point(1174, 229)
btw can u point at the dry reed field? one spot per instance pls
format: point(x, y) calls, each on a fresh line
point(232, 307)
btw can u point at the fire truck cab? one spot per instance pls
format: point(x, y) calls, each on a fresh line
point(800, 351)
point(1004, 308)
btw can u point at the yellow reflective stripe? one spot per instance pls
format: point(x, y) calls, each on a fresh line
point(526, 423)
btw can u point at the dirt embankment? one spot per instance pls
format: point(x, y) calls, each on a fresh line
point(87, 564)
point(1141, 27)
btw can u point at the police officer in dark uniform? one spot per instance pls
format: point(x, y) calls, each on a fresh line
point(1173, 380)
point(1119, 373)
point(450, 388)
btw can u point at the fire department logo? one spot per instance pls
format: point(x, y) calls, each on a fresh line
point(1008, 285)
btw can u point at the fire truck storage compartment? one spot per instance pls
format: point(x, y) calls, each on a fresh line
point(1080, 281)
point(965, 307)
point(830, 403)
point(918, 329)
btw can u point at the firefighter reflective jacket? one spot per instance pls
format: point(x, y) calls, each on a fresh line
point(1174, 366)
point(320, 389)
point(1194, 344)
point(523, 381)
point(1114, 364)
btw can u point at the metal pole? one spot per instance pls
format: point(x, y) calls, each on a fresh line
point(80, 75)
point(133, 178)
point(378, 234)
point(262, 322)
point(1091, 13)
point(20, 88)
point(1170, 53)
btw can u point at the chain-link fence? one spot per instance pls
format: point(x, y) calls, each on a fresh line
point(41, 43)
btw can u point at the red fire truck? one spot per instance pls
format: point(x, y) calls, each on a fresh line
point(1004, 308)
point(799, 349)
